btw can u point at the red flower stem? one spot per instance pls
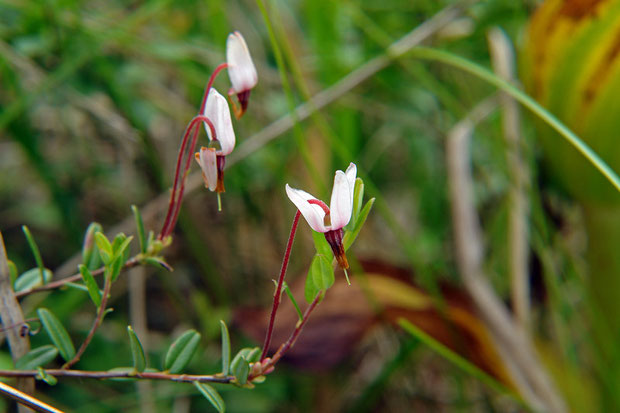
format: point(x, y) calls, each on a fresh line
point(277, 296)
point(175, 200)
point(295, 334)
point(217, 70)
point(98, 320)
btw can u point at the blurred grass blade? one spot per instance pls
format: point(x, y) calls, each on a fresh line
point(454, 358)
point(139, 228)
point(350, 236)
point(12, 271)
point(181, 351)
point(525, 100)
point(225, 349)
point(137, 352)
point(57, 333)
point(212, 395)
point(37, 357)
point(35, 251)
point(91, 284)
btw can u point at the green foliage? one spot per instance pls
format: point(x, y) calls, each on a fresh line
point(57, 333)
point(225, 348)
point(212, 395)
point(91, 284)
point(181, 351)
point(137, 352)
point(32, 279)
point(37, 357)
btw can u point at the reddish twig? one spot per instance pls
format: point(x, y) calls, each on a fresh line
point(98, 320)
point(295, 334)
point(102, 375)
point(278, 293)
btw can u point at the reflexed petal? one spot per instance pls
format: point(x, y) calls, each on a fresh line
point(206, 158)
point(351, 174)
point(341, 204)
point(218, 113)
point(313, 214)
point(241, 69)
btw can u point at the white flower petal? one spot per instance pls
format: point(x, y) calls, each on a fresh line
point(207, 158)
point(313, 213)
point(218, 113)
point(351, 174)
point(241, 69)
point(341, 204)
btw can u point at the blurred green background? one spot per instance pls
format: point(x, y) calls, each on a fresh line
point(94, 98)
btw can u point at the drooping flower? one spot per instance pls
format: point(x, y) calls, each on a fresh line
point(329, 220)
point(212, 159)
point(241, 71)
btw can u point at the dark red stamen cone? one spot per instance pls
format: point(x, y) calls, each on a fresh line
point(334, 238)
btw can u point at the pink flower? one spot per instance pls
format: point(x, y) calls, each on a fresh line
point(241, 70)
point(329, 220)
point(212, 159)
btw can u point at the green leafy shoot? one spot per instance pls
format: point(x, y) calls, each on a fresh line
point(225, 349)
point(137, 352)
point(91, 285)
point(139, 228)
point(320, 277)
point(105, 248)
point(48, 378)
point(57, 333)
point(35, 251)
point(181, 351)
point(212, 395)
point(240, 369)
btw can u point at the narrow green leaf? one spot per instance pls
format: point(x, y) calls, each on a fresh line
point(137, 352)
point(57, 333)
point(321, 245)
point(49, 379)
point(253, 355)
point(181, 351)
point(105, 248)
point(292, 298)
point(139, 228)
point(31, 279)
point(157, 262)
point(88, 246)
point(77, 286)
point(91, 284)
point(310, 290)
point(12, 271)
point(322, 272)
point(115, 267)
point(349, 236)
point(35, 252)
point(121, 249)
point(225, 349)
point(212, 395)
point(37, 357)
point(358, 197)
point(240, 369)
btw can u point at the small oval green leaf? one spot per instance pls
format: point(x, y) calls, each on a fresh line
point(240, 369)
point(310, 290)
point(104, 246)
point(91, 284)
point(137, 351)
point(322, 272)
point(37, 357)
point(212, 395)
point(57, 333)
point(31, 279)
point(181, 351)
point(225, 348)
point(49, 379)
